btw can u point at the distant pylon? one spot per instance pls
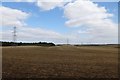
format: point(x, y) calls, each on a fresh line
point(67, 41)
point(14, 34)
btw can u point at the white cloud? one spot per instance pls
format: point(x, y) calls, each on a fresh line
point(50, 4)
point(12, 17)
point(95, 18)
point(82, 11)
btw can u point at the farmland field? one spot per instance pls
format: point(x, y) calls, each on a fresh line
point(60, 62)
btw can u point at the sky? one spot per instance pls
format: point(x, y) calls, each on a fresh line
point(79, 21)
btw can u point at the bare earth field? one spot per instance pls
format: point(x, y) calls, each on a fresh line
point(60, 62)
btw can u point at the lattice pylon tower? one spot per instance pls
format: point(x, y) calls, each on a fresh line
point(67, 41)
point(14, 34)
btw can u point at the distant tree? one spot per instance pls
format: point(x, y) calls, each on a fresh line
point(26, 44)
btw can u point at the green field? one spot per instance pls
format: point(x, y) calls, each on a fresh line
point(60, 62)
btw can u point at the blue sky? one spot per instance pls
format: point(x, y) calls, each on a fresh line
point(54, 20)
point(112, 7)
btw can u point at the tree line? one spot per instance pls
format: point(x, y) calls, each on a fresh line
point(26, 44)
